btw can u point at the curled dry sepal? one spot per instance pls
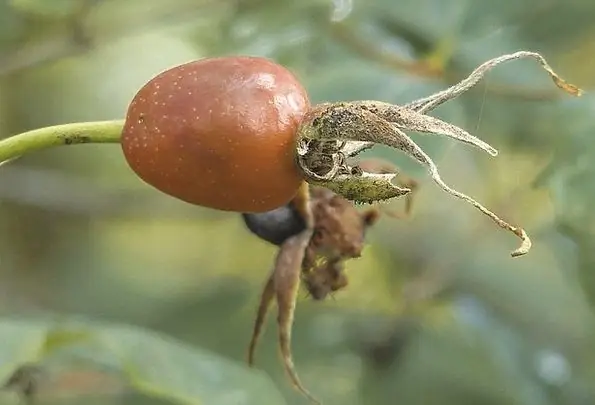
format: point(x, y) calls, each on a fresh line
point(316, 233)
point(331, 132)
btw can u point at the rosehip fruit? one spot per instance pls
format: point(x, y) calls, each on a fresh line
point(219, 132)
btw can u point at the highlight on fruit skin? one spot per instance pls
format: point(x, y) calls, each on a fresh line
point(218, 132)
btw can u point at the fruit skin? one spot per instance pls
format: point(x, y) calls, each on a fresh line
point(218, 132)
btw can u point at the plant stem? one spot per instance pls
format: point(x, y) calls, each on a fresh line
point(67, 134)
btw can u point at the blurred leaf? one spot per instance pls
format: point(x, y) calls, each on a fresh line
point(12, 26)
point(559, 23)
point(572, 169)
point(57, 339)
point(47, 9)
point(152, 364)
point(21, 344)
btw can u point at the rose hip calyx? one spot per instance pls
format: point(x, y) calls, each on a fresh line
point(330, 133)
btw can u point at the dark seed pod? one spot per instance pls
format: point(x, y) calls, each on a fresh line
point(275, 226)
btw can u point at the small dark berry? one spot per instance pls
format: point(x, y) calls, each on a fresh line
point(275, 226)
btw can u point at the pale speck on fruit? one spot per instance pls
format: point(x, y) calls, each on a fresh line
point(181, 121)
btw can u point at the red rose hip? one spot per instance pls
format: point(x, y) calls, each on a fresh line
point(218, 132)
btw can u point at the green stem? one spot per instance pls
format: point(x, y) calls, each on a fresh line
point(67, 134)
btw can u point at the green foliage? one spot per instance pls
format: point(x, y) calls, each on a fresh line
point(80, 234)
point(149, 363)
point(46, 9)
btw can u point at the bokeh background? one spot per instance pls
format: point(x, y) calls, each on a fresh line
point(437, 311)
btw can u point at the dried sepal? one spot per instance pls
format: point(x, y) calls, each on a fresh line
point(381, 166)
point(283, 285)
point(364, 187)
point(360, 124)
point(286, 285)
point(266, 300)
point(354, 148)
point(411, 120)
point(330, 132)
point(370, 121)
point(429, 103)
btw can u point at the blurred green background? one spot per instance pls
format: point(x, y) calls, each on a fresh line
point(437, 312)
